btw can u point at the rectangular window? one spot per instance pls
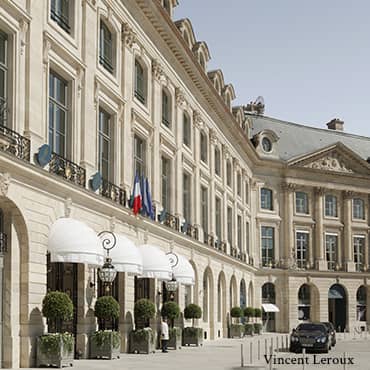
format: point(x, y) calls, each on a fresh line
point(266, 199)
point(166, 109)
point(203, 147)
point(218, 219)
point(230, 225)
point(247, 233)
point(59, 13)
point(331, 244)
point(228, 174)
point(3, 78)
point(105, 146)
point(204, 208)
point(301, 202)
point(217, 161)
point(240, 234)
point(186, 197)
point(246, 192)
point(359, 252)
point(267, 246)
point(331, 207)
point(58, 115)
point(186, 130)
point(166, 184)
point(358, 209)
point(140, 82)
point(139, 156)
point(302, 240)
point(106, 47)
point(239, 185)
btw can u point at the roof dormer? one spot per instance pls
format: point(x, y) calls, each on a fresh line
point(201, 52)
point(186, 29)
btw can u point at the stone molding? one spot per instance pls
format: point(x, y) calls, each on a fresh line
point(4, 183)
point(331, 162)
point(157, 70)
point(128, 35)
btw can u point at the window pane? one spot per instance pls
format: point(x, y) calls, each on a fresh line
point(230, 225)
point(186, 197)
point(267, 246)
point(218, 219)
point(204, 209)
point(301, 202)
point(3, 49)
point(166, 184)
point(2, 84)
point(266, 199)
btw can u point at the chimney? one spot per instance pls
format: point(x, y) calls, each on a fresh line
point(335, 124)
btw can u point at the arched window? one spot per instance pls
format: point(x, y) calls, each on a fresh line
point(106, 47)
point(228, 174)
point(219, 299)
point(186, 130)
point(203, 147)
point(205, 297)
point(304, 302)
point(166, 108)
point(361, 298)
point(140, 82)
point(243, 294)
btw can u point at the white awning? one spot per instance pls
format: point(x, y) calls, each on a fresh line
point(155, 263)
point(73, 241)
point(183, 271)
point(269, 307)
point(126, 257)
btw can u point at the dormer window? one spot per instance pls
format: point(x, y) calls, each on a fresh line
point(202, 61)
point(266, 145)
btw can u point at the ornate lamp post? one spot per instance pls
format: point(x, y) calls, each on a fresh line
point(107, 273)
point(172, 285)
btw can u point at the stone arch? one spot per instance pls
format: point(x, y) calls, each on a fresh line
point(221, 302)
point(208, 301)
point(361, 304)
point(194, 290)
point(338, 306)
point(268, 293)
point(15, 290)
point(233, 292)
point(308, 302)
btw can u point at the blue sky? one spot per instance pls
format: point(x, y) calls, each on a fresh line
point(310, 60)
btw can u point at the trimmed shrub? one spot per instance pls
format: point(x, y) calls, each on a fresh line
point(57, 307)
point(257, 312)
point(249, 312)
point(236, 312)
point(106, 309)
point(192, 311)
point(144, 310)
point(171, 310)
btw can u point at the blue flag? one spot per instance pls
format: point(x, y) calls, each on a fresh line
point(148, 197)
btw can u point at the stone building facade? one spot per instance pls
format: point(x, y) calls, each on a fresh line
point(118, 88)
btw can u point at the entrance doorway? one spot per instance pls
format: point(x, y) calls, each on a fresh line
point(269, 308)
point(338, 307)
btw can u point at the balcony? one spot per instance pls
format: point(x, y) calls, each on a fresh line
point(209, 240)
point(221, 246)
point(113, 192)
point(67, 169)
point(190, 230)
point(169, 220)
point(10, 141)
point(3, 243)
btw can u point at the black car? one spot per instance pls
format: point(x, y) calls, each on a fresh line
point(311, 336)
point(331, 331)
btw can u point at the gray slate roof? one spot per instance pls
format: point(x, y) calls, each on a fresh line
point(296, 140)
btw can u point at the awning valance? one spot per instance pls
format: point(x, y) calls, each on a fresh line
point(126, 257)
point(155, 263)
point(73, 241)
point(269, 307)
point(183, 271)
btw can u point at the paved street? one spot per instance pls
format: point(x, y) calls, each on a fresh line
point(226, 354)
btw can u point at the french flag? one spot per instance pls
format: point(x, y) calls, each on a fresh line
point(136, 196)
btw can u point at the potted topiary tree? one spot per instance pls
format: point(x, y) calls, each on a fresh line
point(248, 313)
point(171, 310)
point(106, 343)
point(257, 326)
point(236, 329)
point(192, 335)
point(56, 348)
point(248, 327)
point(142, 339)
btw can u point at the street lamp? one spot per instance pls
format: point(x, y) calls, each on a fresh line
point(107, 273)
point(172, 284)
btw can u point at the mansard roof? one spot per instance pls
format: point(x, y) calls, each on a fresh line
point(296, 140)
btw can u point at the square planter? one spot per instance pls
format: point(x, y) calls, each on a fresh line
point(175, 340)
point(236, 330)
point(249, 329)
point(142, 341)
point(105, 344)
point(52, 350)
point(257, 328)
point(192, 336)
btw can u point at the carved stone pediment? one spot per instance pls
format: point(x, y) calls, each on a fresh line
point(336, 158)
point(331, 162)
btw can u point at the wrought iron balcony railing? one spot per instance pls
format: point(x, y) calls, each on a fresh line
point(10, 141)
point(67, 169)
point(3, 243)
point(169, 220)
point(113, 192)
